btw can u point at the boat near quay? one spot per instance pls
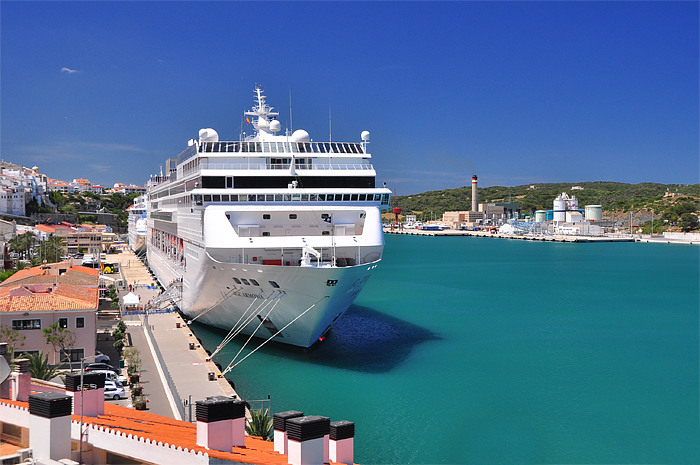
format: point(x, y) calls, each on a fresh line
point(272, 236)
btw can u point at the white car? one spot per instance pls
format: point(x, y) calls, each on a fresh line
point(114, 392)
point(112, 376)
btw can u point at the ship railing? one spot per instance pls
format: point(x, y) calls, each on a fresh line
point(285, 166)
point(276, 147)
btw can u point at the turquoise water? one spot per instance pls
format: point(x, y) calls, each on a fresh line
point(477, 350)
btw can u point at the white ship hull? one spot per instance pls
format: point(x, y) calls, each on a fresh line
point(210, 295)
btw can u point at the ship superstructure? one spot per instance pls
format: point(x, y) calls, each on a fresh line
point(273, 234)
point(137, 225)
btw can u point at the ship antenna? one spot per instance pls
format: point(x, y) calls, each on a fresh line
point(291, 125)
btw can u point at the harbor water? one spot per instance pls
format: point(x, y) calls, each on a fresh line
point(477, 350)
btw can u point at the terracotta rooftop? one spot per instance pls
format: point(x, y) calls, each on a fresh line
point(41, 289)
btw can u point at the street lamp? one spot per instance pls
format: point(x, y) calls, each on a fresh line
point(82, 396)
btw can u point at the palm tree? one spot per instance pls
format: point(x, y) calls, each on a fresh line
point(39, 366)
point(260, 424)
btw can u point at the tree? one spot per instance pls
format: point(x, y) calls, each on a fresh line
point(61, 339)
point(132, 357)
point(39, 366)
point(688, 222)
point(260, 424)
point(12, 337)
point(119, 335)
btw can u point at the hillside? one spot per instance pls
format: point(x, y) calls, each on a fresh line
point(615, 197)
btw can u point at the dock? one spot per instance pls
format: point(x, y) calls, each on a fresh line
point(176, 370)
point(524, 237)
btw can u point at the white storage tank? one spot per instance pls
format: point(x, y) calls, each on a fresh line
point(560, 207)
point(594, 212)
point(541, 216)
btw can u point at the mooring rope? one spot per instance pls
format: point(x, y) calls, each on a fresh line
point(229, 367)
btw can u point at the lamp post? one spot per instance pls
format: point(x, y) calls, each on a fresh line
point(82, 390)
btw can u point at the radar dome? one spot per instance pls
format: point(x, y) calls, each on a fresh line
point(365, 135)
point(275, 125)
point(208, 135)
point(300, 136)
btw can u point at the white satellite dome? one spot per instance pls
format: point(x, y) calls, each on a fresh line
point(275, 126)
point(365, 136)
point(208, 135)
point(300, 136)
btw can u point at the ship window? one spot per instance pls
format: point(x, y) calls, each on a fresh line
point(266, 216)
point(216, 198)
point(322, 197)
point(266, 146)
point(251, 197)
point(296, 197)
point(229, 182)
point(292, 216)
point(224, 198)
point(363, 197)
point(266, 233)
point(329, 198)
point(280, 147)
point(261, 197)
point(269, 197)
point(324, 216)
point(334, 146)
point(245, 281)
point(313, 197)
point(362, 215)
point(254, 282)
point(278, 197)
point(346, 197)
point(274, 284)
point(237, 281)
point(234, 198)
point(207, 198)
point(338, 197)
point(304, 197)
point(242, 198)
point(325, 233)
point(377, 197)
point(287, 197)
point(354, 197)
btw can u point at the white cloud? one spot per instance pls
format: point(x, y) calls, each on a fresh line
point(68, 70)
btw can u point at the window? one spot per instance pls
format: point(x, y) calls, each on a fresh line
point(292, 216)
point(325, 233)
point(363, 197)
point(216, 198)
point(274, 284)
point(207, 198)
point(245, 281)
point(237, 281)
point(254, 282)
point(80, 322)
point(266, 216)
point(266, 233)
point(75, 355)
point(322, 197)
point(224, 198)
point(354, 197)
point(346, 197)
point(26, 324)
point(63, 322)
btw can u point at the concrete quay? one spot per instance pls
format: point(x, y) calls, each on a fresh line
point(555, 238)
point(172, 373)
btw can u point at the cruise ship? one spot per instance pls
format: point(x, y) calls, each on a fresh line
point(273, 235)
point(137, 225)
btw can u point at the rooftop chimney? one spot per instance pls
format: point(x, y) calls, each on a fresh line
point(49, 425)
point(342, 437)
point(21, 380)
point(475, 195)
point(279, 423)
point(220, 423)
point(308, 437)
point(91, 398)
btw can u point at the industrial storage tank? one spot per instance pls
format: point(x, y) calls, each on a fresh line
point(594, 212)
point(541, 216)
point(560, 207)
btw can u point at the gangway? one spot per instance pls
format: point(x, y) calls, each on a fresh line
point(171, 296)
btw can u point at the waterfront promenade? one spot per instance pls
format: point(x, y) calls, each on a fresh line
point(172, 373)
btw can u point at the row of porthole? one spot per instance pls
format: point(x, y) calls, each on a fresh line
point(251, 281)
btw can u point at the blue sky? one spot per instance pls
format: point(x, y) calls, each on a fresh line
point(517, 93)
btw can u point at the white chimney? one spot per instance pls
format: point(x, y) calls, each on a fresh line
point(49, 425)
point(220, 423)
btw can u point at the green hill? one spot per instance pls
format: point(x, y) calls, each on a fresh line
point(615, 197)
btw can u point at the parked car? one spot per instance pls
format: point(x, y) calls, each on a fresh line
point(114, 392)
point(78, 256)
point(112, 376)
point(101, 358)
point(113, 384)
point(101, 366)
